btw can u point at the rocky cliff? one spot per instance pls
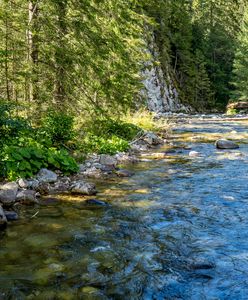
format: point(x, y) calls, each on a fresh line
point(161, 94)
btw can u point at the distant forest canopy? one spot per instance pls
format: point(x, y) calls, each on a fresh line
point(87, 55)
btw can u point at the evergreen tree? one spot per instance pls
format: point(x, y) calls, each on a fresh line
point(241, 62)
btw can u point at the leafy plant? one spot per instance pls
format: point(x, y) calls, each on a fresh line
point(108, 128)
point(231, 111)
point(58, 127)
point(103, 145)
point(27, 157)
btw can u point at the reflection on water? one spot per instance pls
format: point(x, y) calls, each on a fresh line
point(177, 229)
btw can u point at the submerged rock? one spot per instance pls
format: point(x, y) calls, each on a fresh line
point(124, 173)
point(96, 202)
point(3, 219)
point(226, 144)
point(47, 176)
point(8, 193)
point(11, 215)
point(83, 188)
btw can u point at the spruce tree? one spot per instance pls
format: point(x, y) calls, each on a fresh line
point(240, 71)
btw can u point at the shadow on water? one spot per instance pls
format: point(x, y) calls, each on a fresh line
point(177, 229)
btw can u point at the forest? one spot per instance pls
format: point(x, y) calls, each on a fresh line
point(71, 71)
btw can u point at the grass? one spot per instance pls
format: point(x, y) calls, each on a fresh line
point(146, 121)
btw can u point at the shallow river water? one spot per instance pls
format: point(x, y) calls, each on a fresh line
point(177, 229)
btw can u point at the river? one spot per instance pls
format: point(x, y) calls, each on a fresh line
point(177, 229)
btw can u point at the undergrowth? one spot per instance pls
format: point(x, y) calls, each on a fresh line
point(60, 138)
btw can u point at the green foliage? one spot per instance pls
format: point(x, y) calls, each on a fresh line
point(57, 127)
point(104, 145)
point(231, 111)
point(240, 72)
point(11, 126)
point(27, 157)
point(109, 127)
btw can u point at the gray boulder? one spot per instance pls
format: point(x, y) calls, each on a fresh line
point(8, 193)
point(108, 160)
point(47, 176)
point(83, 188)
point(226, 144)
point(152, 139)
point(27, 197)
point(3, 219)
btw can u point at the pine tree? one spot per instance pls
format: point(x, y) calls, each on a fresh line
point(241, 62)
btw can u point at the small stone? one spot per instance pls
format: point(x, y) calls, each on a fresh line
point(33, 184)
point(11, 215)
point(3, 219)
point(47, 176)
point(83, 188)
point(23, 183)
point(194, 154)
point(8, 193)
point(82, 168)
point(27, 197)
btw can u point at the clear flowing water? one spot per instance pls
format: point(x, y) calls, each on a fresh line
point(177, 229)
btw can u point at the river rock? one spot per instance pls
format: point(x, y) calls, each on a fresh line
point(8, 193)
point(93, 173)
point(124, 173)
point(27, 197)
point(194, 154)
point(96, 202)
point(3, 219)
point(151, 138)
point(126, 158)
point(43, 188)
point(226, 144)
point(47, 176)
point(83, 188)
point(108, 160)
point(23, 183)
point(11, 215)
point(28, 184)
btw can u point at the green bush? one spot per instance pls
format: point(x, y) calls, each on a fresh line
point(57, 127)
point(109, 128)
point(102, 145)
point(231, 111)
point(27, 157)
point(11, 126)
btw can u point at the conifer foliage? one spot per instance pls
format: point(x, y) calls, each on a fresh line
point(241, 62)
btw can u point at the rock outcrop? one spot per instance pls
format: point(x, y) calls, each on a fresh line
point(160, 91)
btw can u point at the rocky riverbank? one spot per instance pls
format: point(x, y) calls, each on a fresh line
point(14, 195)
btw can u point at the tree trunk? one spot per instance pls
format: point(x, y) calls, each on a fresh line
point(60, 61)
point(33, 54)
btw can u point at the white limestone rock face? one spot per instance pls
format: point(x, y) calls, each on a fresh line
point(159, 90)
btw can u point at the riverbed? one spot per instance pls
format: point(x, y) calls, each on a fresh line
point(176, 229)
